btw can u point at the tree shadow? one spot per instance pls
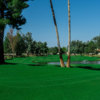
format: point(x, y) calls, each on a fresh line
point(87, 67)
point(38, 64)
point(34, 64)
point(57, 66)
point(6, 63)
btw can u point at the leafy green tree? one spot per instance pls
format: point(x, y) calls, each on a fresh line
point(28, 40)
point(33, 47)
point(90, 48)
point(45, 48)
point(80, 47)
point(11, 14)
point(53, 50)
point(7, 47)
point(96, 40)
point(39, 48)
point(64, 50)
point(77, 47)
point(74, 47)
point(19, 44)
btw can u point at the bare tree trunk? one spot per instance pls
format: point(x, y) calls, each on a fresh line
point(69, 32)
point(1, 46)
point(58, 42)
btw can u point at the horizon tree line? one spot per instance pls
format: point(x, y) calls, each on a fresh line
point(24, 43)
point(14, 43)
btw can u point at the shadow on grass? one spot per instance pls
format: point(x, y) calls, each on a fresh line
point(34, 64)
point(87, 67)
point(6, 63)
point(58, 66)
point(38, 64)
point(44, 64)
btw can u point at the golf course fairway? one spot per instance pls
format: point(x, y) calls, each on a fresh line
point(26, 79)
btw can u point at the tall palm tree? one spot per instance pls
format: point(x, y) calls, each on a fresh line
point(69, 32)
point(58, 41)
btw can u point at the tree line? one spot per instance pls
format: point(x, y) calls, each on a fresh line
point(20, 44)
point(24, 43)
point(89, 47)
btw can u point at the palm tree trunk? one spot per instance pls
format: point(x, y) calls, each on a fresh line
point(58, 42)
point(69, 32)
point(1, 46)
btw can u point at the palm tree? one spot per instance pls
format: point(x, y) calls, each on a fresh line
point(69, 32)
point(58, 42)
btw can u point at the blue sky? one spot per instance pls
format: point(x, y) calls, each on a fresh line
point(85, 20)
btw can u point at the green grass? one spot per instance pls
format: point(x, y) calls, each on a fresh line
point(51, 58)
point(21, 79)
